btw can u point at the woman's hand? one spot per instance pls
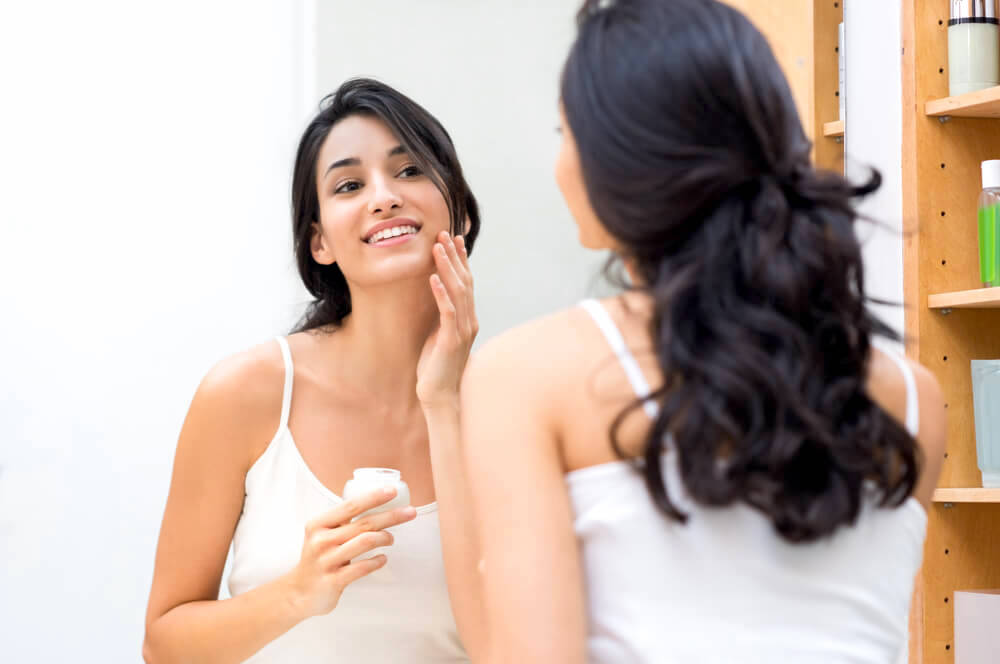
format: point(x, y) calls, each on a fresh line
point(332, 541)
point(442, 361)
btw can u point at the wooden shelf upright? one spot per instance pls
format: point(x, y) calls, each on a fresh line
point(949, 320)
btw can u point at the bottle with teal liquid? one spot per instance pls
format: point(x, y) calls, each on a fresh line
point(989, 219)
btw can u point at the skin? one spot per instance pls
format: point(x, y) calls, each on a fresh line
point(527, 422)
point(373, 393)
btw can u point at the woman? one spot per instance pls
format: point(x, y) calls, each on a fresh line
point(715, 466)
point(369, 376)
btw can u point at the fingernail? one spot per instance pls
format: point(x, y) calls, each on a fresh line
point(409, 511)
point(389, 491)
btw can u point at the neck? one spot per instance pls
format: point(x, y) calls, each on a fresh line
point(384, 335)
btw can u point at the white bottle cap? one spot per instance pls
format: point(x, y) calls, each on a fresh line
point(991, 174)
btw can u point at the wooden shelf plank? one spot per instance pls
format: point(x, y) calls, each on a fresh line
point(971, 495)
point(978, 104)
point(833, 129)
point(980, 298)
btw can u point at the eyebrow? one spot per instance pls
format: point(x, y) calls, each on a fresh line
point(355, 161)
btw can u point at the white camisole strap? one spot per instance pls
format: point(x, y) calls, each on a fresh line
point(625, 357)
point(286, 395)
point(912, 396)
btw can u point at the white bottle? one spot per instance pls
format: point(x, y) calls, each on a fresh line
point(973, 46)
point(367, 480)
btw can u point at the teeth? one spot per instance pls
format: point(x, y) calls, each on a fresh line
point(395, 231)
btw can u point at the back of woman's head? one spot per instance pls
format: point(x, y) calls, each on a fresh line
point(695, 161)
point(425, 141)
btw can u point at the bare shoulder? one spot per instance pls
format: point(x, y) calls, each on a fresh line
point(542, 346)
point(238, 403)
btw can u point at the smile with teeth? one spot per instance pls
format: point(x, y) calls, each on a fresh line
point(395, 231)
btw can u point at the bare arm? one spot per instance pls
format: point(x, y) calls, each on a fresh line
point(532, 577)
point(460, 545)
point(185, 620)
point(439, 378)
point(933, 433)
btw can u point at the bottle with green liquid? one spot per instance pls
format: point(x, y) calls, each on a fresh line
point(989, 219)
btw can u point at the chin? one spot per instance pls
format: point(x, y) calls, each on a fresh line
point(399, 268)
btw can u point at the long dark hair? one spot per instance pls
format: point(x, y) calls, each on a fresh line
point(695, 160)
point(423, 138)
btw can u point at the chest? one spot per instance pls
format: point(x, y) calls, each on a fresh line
point(336, 436)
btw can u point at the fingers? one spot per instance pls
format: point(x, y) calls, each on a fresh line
point(446, 259)
point(357, 546)
point(379, 521)
point(351, 573)
point(463, 254)
point(452, 269)
point(445, 307)
point(347, 510)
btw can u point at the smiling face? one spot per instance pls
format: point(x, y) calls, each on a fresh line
point(378, 214)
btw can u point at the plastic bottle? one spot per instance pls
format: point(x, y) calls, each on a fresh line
point(973, 46)
point(989, 217)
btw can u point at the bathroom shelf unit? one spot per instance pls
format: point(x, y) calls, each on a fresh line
point(978, 104)
point(834, 129)
point(979, 298)
point(973, 495)
point(828, 152)
point(948, 321)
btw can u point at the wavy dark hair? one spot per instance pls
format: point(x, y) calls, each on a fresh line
point(426, 142)
point(694, 159)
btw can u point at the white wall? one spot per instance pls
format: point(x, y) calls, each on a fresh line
point(145, 160)
point(490, 73)
point(874, 137)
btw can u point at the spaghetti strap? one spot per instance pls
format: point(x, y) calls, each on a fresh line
point(625, 358)
point(912, 395)
point(286, 395)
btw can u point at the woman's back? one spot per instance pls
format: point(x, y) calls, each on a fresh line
point(771, 518)
point(724, 585)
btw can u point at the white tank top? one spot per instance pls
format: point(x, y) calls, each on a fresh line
point(400, 613)
point(724, 587)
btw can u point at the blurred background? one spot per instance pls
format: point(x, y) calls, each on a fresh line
point(145, 161)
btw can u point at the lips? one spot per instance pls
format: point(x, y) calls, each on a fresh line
point(389, 229)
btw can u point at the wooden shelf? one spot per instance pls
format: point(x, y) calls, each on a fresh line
point(833, 129)
point(972, 495)
point(978, 104)
point(980, 298)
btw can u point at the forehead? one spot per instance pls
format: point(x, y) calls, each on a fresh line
point(362, 136)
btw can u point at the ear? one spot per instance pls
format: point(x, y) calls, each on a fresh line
point(468, 225)
point(322, 253)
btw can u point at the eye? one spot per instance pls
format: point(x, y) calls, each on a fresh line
point(347, 187)
point(409, 172)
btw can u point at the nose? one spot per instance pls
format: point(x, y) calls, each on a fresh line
point(384, 196)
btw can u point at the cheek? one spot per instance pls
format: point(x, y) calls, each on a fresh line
point(433, 205)
point(569, 178)
point(339, 228)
